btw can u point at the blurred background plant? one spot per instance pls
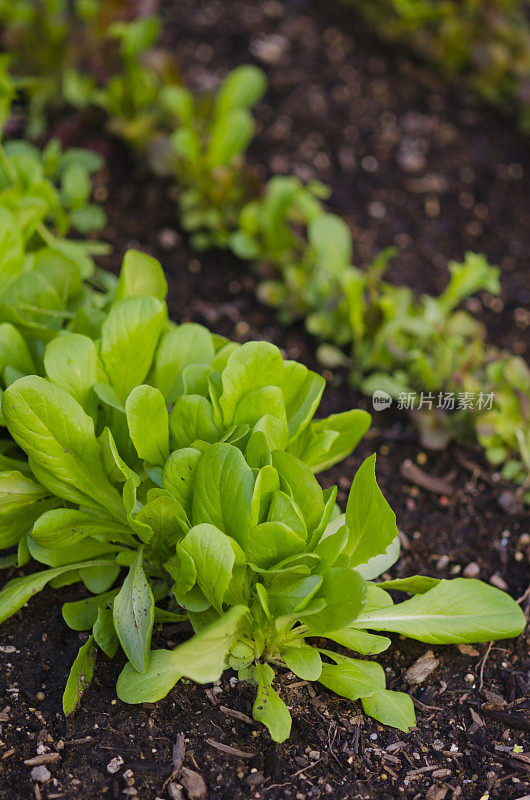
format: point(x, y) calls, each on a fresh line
point(485, 43)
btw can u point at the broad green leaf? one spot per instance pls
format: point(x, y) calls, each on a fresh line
point(104, 633)
point(182, 569)
point(460, 610)
point(179, 476)
point(193, 379)
point(344, 592)
point(116, 468)
point(380, 563)
point(283, 509)
point(20, 505)
point(34, 305)
point(80, 677)
point(87, 549)
point(166, 518)
point(223, 492)
point(147, 419)
point(416, 584)
point(376, 598)
point(255, 404)
point(304, 661)
point(252, 366)
point(179, 347)
point(216, 558)
point(333, 542)
point(270, 543)
point(99, 579)
point(298, 480)
point(370, 520)
point(71, 362)
point(191, 418)
point(58, 437)
point(302, 390)
point(14, 352)
point(367, 644)
point(325, 442)
point(266, 483)
point(329, 514)
point(133, 610)
point(19, 590)
point(140, 276)
point(129, 337)
point(107, 395)
point(269, 708)
point(81, 615)
point(258, 452)
point(350, 677)
point(391, 708)
point(8, 561)
point(288, 593)
point(151, 686)
point(66, 527)
point(201, 658)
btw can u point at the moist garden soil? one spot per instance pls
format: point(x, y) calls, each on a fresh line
point(410, 165)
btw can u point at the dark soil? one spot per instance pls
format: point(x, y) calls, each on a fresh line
point(342, 109)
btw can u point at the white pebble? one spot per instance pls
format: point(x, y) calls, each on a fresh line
point(114, 765)
point(40, 774)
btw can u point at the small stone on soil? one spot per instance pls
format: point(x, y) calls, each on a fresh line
point(40, 774)
point(114, 765)
point(422, 668)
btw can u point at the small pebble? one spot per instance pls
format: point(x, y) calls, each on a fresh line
point(472, 570)
point(168, 238)
point(369, 164)
point(442, 563)
point(422, 668)
point(469, 678)
point(40, 696)
point(114, 765)
point(499, 582)
point(40, 774)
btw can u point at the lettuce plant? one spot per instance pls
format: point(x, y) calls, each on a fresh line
point(180, 484)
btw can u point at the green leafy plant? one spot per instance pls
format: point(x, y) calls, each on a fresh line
point(87, 52)
point(400, 343)
point(206, 150)
point(118, 66)
point(504, 430)
point(191, 466)
point(482, 43)
point(390, 339)
point(273, 569)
